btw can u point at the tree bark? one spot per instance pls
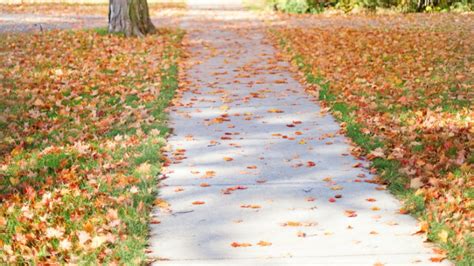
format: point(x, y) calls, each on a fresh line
point(130, 17)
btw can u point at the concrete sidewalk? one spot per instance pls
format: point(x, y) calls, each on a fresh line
point(254, 161)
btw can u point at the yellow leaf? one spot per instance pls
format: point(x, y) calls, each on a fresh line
point(443, 236)
point(273, 110)
point(14, 180)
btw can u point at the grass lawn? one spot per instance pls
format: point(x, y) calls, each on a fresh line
point(402, 88)
point(82, 121)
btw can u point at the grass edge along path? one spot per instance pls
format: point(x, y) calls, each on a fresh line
point(387, 169)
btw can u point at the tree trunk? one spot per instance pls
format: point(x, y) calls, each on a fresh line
point(130, 17)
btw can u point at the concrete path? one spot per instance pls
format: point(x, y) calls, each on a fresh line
point(258, 174)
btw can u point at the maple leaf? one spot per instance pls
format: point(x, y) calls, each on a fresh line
point(65, 244)
point(230, 189)
point(83, 237)
point(264, 243)
point(209, 174)
point(250, 206)
point(297, 224)
point(376, 153)
point(240, 245)
point(97, 241)
point(423, 227)
point(273, 110)
point(443, 236)
point(350, 213)
point(161, 203)
point(54, 233)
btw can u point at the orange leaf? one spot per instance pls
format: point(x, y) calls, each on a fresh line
point(273, 110)
point(209, 174)
point(350, 213)
point(264, 243)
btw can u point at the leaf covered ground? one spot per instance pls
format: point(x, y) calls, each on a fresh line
point(81, 126)
point(402, 86)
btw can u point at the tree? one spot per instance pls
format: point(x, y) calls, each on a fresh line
point(130, 17)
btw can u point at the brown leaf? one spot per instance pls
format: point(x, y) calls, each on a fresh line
point(240, 245)
point(250, 206)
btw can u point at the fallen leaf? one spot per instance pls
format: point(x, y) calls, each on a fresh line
point(273, 110)
point(209, 174)
point(296, 224)
point(230, 189)
point(240, 245)
point(264, 243)
point(350, 213)
point(437, 259)
point(423, 227)
point(443, 236)
point(250, 206)
point(161, 203)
